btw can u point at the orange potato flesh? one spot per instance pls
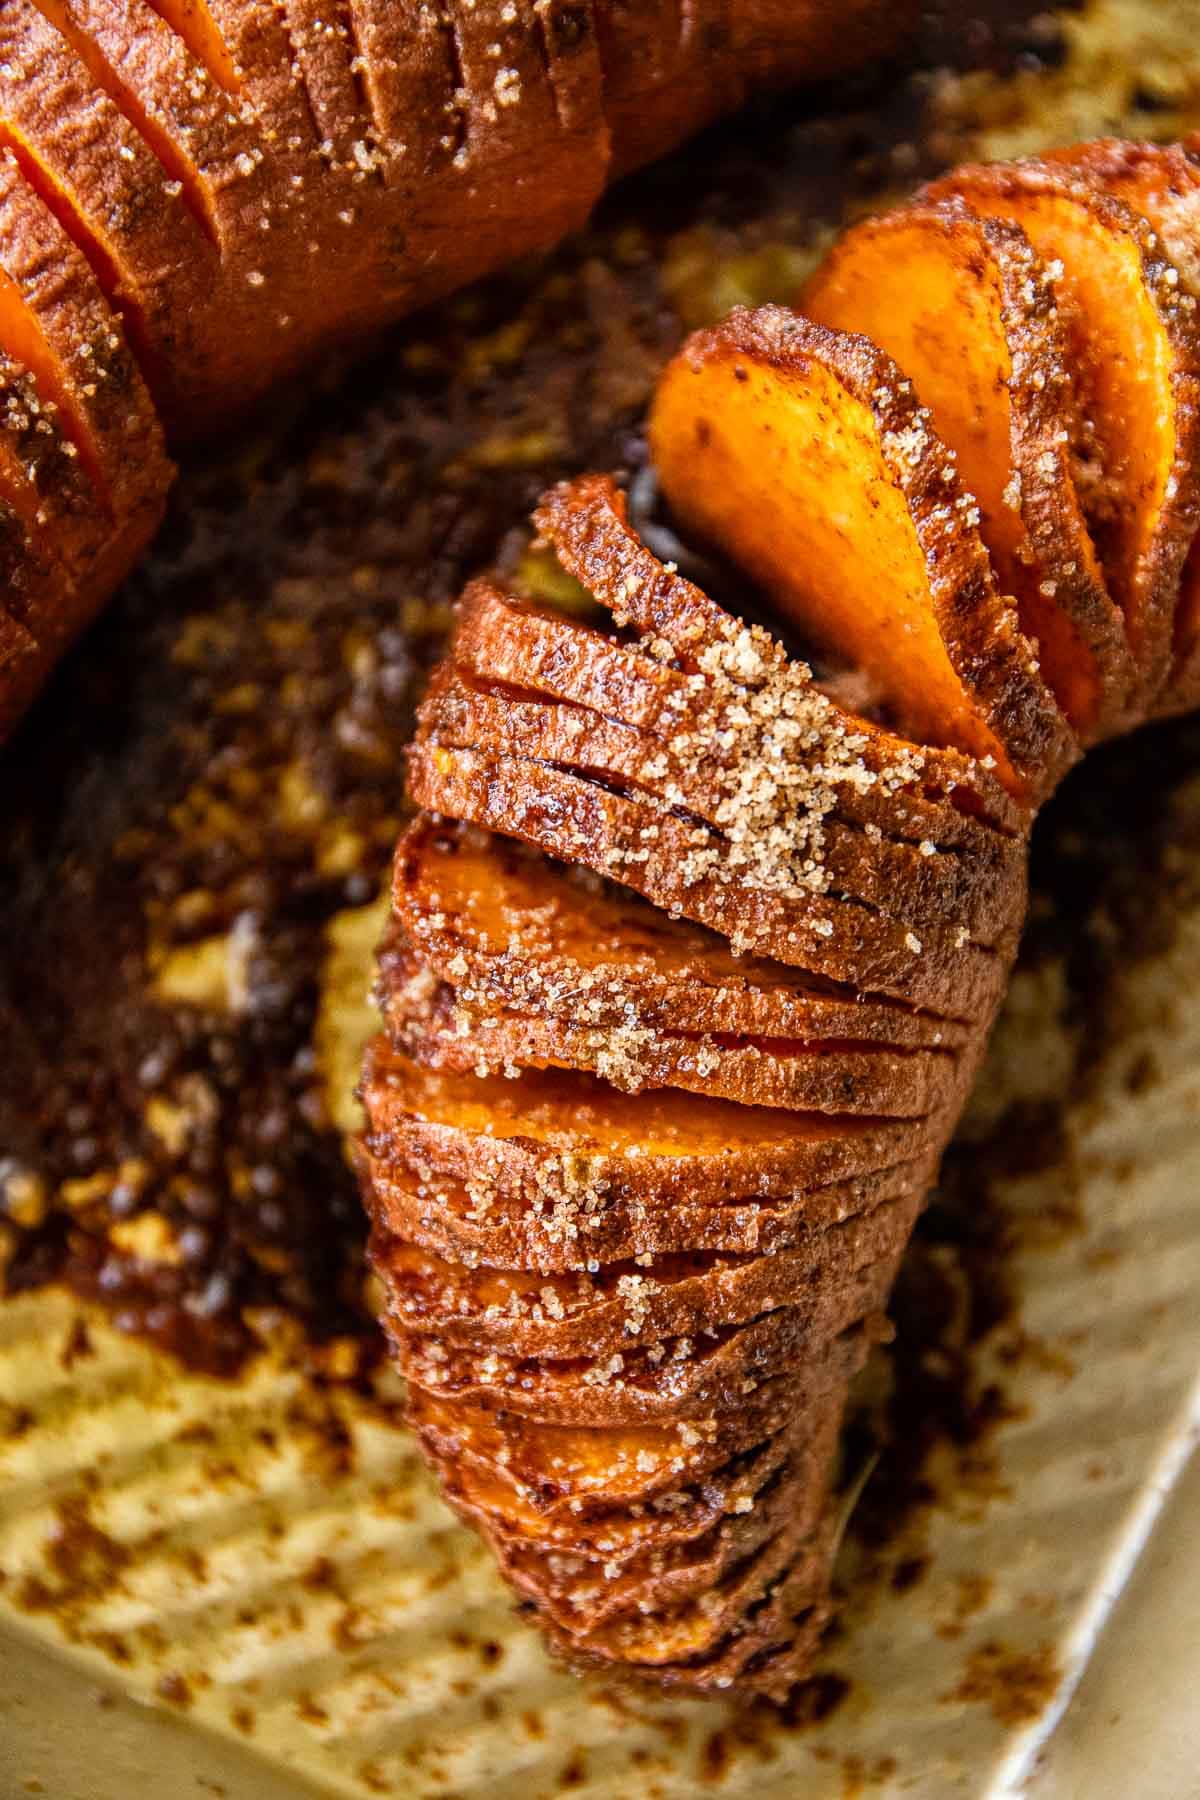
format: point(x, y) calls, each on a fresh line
point(1161, 183)
point(177, 166)
point(759, 451)
point(1136, 358)
point(194, 23)
point(964, 308)
point(26, 343)
point(801, 453)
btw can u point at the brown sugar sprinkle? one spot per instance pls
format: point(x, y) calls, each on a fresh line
point(779, 751)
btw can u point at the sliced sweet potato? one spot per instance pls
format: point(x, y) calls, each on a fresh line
point(145, 70)
point(328, 68)
point(193, 22)
point(486, 1225)
point(805, 455)
point(937, 795)
point(510, 927)
point(684, 868)
point(487, 1498)
point(770, 795)
point(55, 322)
point(1161, 182)
point(1135, 355)
point(677, 1379)
point(409, 79)
point(593, 1474)
point(679, 1294)
point(93, 170)
point(577, 1146)
point(586, 1595)
point(689, 1633)
point(964, 306)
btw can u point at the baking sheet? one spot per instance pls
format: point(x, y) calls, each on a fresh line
point(266, 1568)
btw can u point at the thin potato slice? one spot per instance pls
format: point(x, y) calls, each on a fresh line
point(1134, 349)
point(595, 1474)
point(108, 192)
point(485, 1226)
point(510, 927)
point(676, 1379)
point(804, 454)
point(577, 1145)
point(834, 1076)
point(964, 306)
point(746, 803)
point(936, 795)
point(1161, 182)
point(326, 58)
point(193, 22)
point(56, 323)
point(685, 868)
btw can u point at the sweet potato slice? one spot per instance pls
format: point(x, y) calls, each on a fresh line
point(964, 306)
point(592, 1474)
point(621, 1534)
point(770, 795)
point(936, 795)
point(583, 1596)
point(678, 1294)
point(193, 22)
point(677, 1379)
point(683, 867)
point(409, 79)
point(1135, 352)
point(105, 188)
point(804, 454)
point(1161, 182)
point(483, 1224)
point(512, 928)
point(56, 323)
point(835, 1076)
point(326, 59)
point(576, 1146)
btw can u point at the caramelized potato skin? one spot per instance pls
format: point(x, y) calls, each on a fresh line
point(251, 181)
point(640, 1180)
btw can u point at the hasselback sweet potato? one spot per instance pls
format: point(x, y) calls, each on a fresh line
point(689, 965)
point(245, 181)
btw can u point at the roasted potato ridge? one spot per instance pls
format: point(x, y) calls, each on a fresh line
point(914, 885)
point(329, 69)
point(965, 307)
point(524, 1313)
point(440, 1215)
point(688, 1382)
point(598, 1592)
point(1134, 351)
point(655, 853)
point(694, 1631)
point(574, 1140)
point(541, 654)
point(520, 929)
point(804, 454)
point(592, 1474)
point(56, 323)
point(822, 1076)
point(111, 195)
point(1161, 182)
point(627, 1532)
